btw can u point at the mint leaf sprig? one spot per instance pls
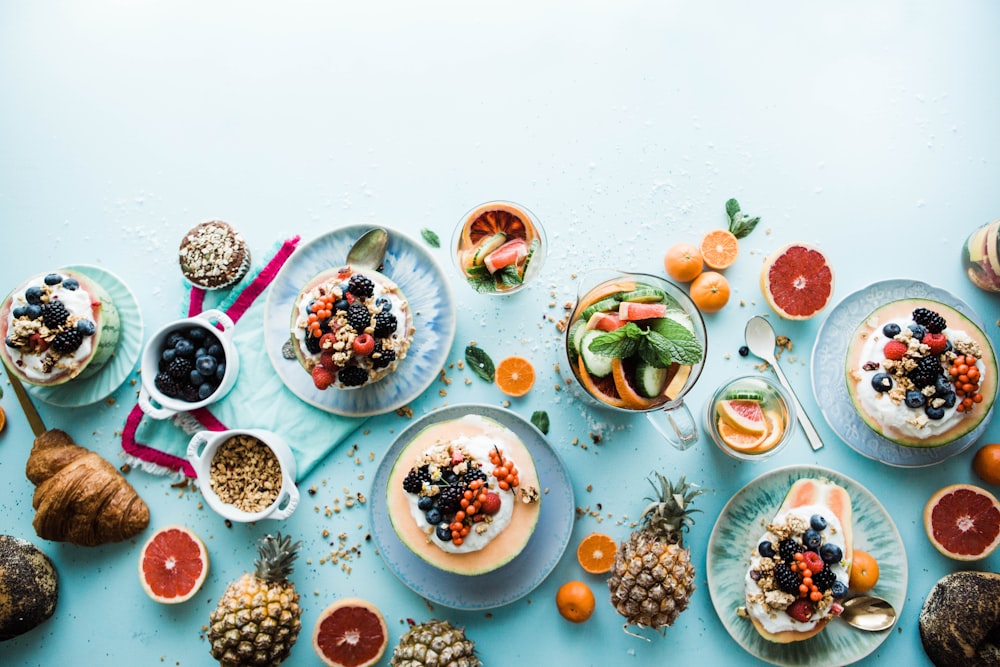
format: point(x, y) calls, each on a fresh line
point(740, 224)
point(661, 345)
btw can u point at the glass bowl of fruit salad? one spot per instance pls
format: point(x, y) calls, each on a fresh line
point(750, 417)
point(637, 343)
point(499, 247)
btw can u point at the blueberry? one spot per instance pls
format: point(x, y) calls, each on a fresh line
point(914, 399)
point(10, 342)
point(341, 304)
point(220, 371)
point(383, 303)
point(817, 522)
point(443, 532)
point(86, 327)
point(195, 378)
point(205, 390)
point(744, 350)
point(184, 348)
point(196, 334)
point(918, 331)
point(811, 539)
point(838, 589)
point(433, 515)
point(450, 477)
point(934, 412)
point(949, 399)
point(942, 386)
point(33, 295)
point(881, 382)
point(215, 350)
point(53, 279)
point(766, 549)
point(200, 352)
point(71, 284)
point(424, 503)
point(206, 365)
point(173, 339)
point(20, 311)
point(891, 329)
point(168, 354)
point(34, 311)
point(830, 553)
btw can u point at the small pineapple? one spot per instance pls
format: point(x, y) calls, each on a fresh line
point(435, 644)
point(652, 579)
point(258, 618)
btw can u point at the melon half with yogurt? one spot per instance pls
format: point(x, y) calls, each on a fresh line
point(915, 400)
point(57, 327)
point(813, 509)
point(450, 503)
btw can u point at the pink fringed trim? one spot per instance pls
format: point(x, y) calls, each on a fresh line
point(197, 301)
point(147, 453)
point(263, 279)
point(207, 419)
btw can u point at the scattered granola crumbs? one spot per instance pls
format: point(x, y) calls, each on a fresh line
point(461, 364)
point(596, 438)
point(361, 497)
point(367, 431)
point(467, 382)
point(590, 487)
point(361, 476)
point(326, 533)
point(371, 456)
point(125, 468)
point(505, 403)
point(442, 393)
point(357, 461)
point(405, 411)
point(201, 505)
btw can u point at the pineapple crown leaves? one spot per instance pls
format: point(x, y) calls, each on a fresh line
point(668, 514)
point(276, 556)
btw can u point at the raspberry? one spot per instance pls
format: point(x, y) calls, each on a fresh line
point(813, 561)
point(492, 503)
point(326, 361)
point(801, 610)
point(322, 377)
point(937, 342)
point(363, 345)
point(326, 341)
point(894, 350)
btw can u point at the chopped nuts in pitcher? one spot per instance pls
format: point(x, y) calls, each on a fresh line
point(245, 473)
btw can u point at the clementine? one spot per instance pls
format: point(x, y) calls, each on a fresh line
point(719, 248)
point(596, 553)
point(986, 464)
point(515, 376)
point(683, 262)
point(864, 572)
point(575, 601)
point(710, 291)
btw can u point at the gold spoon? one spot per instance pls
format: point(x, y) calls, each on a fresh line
point(34, 419)
point(869, 613)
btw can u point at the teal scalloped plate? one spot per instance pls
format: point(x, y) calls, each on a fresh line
point(102, 384)
point(741, 524)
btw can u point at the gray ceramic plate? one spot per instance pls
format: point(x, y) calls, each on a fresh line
point(518, 577)
point(739, 527)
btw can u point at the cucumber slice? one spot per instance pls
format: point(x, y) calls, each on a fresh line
point(596, 364)
point(488, 246)
point(576, 336)
point(650, 380)
point(645, 295)
point(605, 305)
point(532, 248)
point(745, 395)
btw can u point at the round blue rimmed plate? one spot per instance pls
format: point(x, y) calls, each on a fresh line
point(104, 383)
point(829, 360)
point(739, 527)
point(518, 577)
point(426, 288)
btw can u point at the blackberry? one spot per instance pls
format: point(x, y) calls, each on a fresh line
point(787, 580)
point(787, 549)
point(360, 286)
point(54, 314)
point(416, 478)
point(312, 343)
point(358, 316)
point(353, 376)
point(189, 393)
point(167, 385)
point(824, 578)
point(67, 341)
point(450, 499)
point(927, 371)
point(471, 475)
point(385, 324)
point(930, 320)
point(384, 358)
point(180, 367)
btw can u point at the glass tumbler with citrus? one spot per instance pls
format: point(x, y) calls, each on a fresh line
point(499, 247)
point(750, 417)
point(637, 343)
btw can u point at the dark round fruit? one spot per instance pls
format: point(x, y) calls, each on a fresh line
point(353, 376)
point(918, 330)
point(71, 284)
point(425, 503)
point(33, 295)
point(914, 399)
point(20, 311)
point(173, 339)
point(67, 341)
point(766, 549)
point(881, 382)
point(744, 350)
point(86, 327)
point(196, 334)
point(53, 279)
point(216, 351)
point(891, 330)
point(443, 532)
point(433, 515)
point(220, 371)
point(838, 589)
point(206, 365)
point(933, 412)
point(811, 539)
point(168, 355)
point(385, 324)
point(205, 390)
point(341, 305)
point(184, 348)
point(195, 378)
point(361, 286)
point(383, 303)
point(34, 311)
point(830, 553)
point(817, 522)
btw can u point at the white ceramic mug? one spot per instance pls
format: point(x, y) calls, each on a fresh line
point(202, 449)
point(155, 403)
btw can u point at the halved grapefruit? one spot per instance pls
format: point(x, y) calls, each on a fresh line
point(173, 565)
point(744, 415)
point(963, 522)
point(797, 281)
point(350, 633)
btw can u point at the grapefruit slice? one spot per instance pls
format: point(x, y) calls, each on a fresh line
point(623, 385)
point(509, 253)
point(797, 281)
point(775, 429)
point(173, 565)
point(602, 389)
point(963, 522)
point(350, 633)
point(743, 415)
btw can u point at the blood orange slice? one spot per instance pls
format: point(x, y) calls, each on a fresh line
point(350, 633)
point(173, 565)
point(963, 522)
point(797, 281)
point(495, 217)
point(602, 389)
point(743, 415)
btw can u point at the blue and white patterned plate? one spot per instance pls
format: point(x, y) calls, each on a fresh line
point(829, 360)
point(102, 384)
point(426, 288)
point(739, 527)
point(518, 577)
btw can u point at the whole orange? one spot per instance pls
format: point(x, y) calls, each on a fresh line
point(575, 601)
point(710, 291)
point(683, 262)
point(864, 572)
point(986, 464)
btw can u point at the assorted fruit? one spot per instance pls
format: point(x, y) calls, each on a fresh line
point(192, 364)
point(749, 417)
point(499, 247)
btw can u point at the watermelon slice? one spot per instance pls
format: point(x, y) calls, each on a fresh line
point(633, 310)
point(605, 322)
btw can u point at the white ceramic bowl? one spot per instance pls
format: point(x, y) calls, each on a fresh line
point(202, 450)
point(158, 405)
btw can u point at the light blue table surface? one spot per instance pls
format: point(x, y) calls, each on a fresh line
point(868, 129)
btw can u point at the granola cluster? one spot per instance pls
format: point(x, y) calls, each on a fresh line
point(245, 473)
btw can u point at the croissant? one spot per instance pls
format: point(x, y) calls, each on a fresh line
point(79, 497)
